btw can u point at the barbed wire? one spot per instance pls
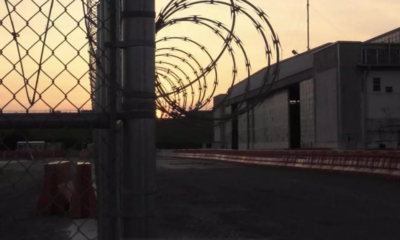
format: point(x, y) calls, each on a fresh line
point(15, 34)
point(175, 102)
point(184, 96)
point(178, 96)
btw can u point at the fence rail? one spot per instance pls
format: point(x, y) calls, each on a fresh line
point(6, 155)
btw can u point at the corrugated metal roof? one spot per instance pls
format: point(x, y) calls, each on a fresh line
point(384, 34)
point(287, 67)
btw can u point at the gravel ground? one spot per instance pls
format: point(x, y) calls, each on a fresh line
point(202, 199)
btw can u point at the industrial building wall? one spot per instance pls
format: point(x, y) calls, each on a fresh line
point(242, 129)
point(217, 141)
point(252, 136)
point(218, 129)
point(383, 109)
point(326, 110)
point(326, 98)
point(260, 126)
point(307, 119)
point(350, 80)
point(227, 140)
point(271, 129)
point(288, 67)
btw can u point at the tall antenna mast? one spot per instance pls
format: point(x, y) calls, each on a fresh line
point(308, 25)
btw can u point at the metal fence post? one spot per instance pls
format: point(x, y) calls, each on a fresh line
point(108, 224)
point(106, 168)
point(98, 134)
point(138, 74)
point(119, 127)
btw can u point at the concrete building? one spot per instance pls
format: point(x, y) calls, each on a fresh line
point(342, 95)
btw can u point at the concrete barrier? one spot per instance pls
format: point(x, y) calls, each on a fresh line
point(56, 186)
point(83, 200)
point(385, 163)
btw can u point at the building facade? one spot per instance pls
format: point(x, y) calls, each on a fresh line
point(343, 95)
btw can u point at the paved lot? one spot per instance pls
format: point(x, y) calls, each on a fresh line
point(20, 185)
point(202, 199)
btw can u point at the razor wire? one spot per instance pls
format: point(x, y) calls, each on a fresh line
point(179, 96)
point(184, 103)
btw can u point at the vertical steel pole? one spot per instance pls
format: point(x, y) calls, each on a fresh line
point(111, 210)
point(308, 25)
point(106, 98)
point(98, 142)
point(119, 125)
point(138, 74)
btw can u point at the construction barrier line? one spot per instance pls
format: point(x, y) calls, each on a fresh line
point(386, 163)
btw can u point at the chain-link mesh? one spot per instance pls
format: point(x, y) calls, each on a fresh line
point(57, 143)
point(61, 95)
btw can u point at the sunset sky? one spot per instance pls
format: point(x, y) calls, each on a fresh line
point(330, 21)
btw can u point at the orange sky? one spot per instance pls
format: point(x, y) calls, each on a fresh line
point(330, 21)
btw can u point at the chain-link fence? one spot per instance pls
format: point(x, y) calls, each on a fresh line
point(79, 87)
point(60, 91)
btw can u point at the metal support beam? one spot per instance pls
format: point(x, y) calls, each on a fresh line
point(97, 133)
point(110, 150)
point(139, 185)
point(394, 67)
point(91, 120)
point(308, 25)
point(86, 120)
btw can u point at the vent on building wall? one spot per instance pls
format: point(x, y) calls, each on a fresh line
point(389, 89)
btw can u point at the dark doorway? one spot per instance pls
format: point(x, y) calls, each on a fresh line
point(294, 116)
point(235, 129)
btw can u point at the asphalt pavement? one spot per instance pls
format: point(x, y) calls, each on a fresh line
point(205, 199)
point(20, 186)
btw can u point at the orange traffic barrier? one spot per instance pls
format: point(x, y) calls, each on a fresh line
point(56, 185)
point(83, 202)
